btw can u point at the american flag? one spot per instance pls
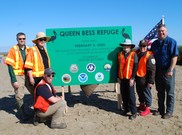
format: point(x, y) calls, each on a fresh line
point(152, 35)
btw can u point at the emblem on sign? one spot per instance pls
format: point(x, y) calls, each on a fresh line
point(66, 78)
point(91, 67)
point(99, 76)
point(83, 77)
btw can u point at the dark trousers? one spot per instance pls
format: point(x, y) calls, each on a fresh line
point(165, 88)
point(31, 87)
point(128, 96)
point(144, 94)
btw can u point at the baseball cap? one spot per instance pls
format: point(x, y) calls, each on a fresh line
point(48, 71)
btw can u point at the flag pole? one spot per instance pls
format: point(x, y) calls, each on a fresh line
point(163, 19)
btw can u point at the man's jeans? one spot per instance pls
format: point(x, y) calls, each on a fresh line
point(165, 85)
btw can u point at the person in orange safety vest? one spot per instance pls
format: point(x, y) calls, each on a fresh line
point(15, 62)
point(127, 67)
point(145, 77)
point(47, 103)
point(37, 60)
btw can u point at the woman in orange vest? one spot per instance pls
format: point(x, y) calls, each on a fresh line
point(37, 59)
point(145, 77)
point(127, 67)
point(47, 103)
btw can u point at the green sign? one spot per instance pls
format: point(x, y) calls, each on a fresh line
point(85, 55)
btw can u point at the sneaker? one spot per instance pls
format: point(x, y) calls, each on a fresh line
point(167, 116)
point(132, 117)
point(145, 112)
point(59, 126)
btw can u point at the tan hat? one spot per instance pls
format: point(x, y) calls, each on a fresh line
point(40, 35)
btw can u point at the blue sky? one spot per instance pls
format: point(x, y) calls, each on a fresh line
point(33, 16)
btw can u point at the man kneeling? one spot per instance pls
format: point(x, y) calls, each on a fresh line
point(47, 103)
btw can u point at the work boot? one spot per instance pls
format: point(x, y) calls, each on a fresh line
point(58, 126)
point(145, 112)
point(35, 120)
point(141, 107)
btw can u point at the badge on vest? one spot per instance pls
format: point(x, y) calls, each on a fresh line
point(153, 61)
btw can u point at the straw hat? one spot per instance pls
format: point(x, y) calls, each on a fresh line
point(127, 42)
point(40, 35)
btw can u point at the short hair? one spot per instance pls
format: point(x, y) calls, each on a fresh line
point(161, 25)
point(19, 34)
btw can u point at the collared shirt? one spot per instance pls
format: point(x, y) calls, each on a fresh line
point(164, 51)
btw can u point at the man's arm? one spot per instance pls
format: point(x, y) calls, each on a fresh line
point(54, 99)
point(31, 79)
point(173, 63)
point(11, 74)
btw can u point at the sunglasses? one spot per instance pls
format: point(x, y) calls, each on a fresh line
point(21, 38)
point(50, 75)
point(42, 39)
point(142, 45)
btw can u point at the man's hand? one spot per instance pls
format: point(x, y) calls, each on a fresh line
point(32, 81)
point(132, 81)
point(149, 85)
point(16, 85)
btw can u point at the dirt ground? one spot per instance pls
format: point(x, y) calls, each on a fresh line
point(96, 115)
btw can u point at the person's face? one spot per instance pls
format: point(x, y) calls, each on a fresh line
point(162, 33)
point(21, 40)
point(48, 78)
point(41, 41)
point(126, 48)
point(143, 48)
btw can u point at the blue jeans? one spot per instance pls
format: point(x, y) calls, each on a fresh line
point(144, 94)
point(165, 88)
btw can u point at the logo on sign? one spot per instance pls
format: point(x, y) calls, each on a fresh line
point(99, 76)
point(66, 78)
point(91, 67)
point(107, 67)
point(74, 68)
point(82, 77)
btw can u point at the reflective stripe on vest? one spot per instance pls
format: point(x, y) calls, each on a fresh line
point(16, 61)
point(16, 71)
point(126, 66)
point(38, 72)
point(142, 65)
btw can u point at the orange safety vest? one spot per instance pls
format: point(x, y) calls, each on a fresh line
point(41, 103)
point(142, 64)
point(14, 58)
point(125, 65)
point(34, 61)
